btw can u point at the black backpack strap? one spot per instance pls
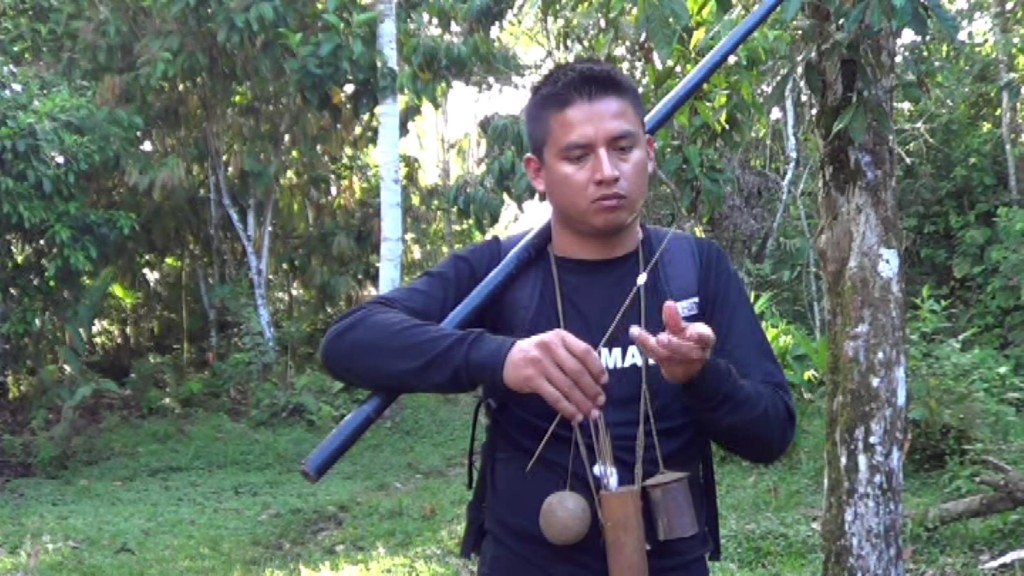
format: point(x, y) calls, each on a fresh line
point(679, 268)
point(519, 302)
point(521, 297)
point(679, 273)
point(473, 532)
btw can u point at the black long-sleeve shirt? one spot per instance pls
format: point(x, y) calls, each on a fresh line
point(740, 399)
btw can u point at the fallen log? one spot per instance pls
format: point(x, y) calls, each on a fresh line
point(1007, 494)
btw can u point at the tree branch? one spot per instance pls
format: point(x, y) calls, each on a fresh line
point(1006, 559)
point(1008, 494)
point(688, 222)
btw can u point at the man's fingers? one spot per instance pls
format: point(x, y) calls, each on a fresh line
point(673, 320)
point(568, 388)
point(679, 355)
point(576, 376)
point(668, 348)
point(681, 349)
point(560, 403)
point(586, 357)
point(700, 334)
point(648, 343)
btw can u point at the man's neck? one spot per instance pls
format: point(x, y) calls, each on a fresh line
point(571, 245)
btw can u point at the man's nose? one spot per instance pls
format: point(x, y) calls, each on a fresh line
point(605, 170)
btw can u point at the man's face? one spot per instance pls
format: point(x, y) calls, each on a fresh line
point(595, 167)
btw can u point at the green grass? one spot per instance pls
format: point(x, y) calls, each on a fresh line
point(212, 496)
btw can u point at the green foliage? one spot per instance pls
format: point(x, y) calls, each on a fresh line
point(153, 385)
point(144, 101)
point(478, 196)
point(963, 238)
point(57, 149)
point(963, 400)
point(962, 232)
point(989, 263)
point(311, 397)
point(803, 357)
point(56, 145)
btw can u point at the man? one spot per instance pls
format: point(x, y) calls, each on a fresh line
point(716, 378)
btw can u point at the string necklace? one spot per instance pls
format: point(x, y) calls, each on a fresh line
point(601, 438)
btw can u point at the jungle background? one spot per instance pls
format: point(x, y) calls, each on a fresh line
point(189, 195)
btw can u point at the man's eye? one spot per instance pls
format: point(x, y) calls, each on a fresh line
point(576, 158)
point(626, 148)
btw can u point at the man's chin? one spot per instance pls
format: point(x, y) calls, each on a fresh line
point(616, 226)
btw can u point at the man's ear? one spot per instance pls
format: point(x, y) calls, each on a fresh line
point(535, 172)
point(652, 158)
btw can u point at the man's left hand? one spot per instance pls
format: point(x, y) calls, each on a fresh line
point(681, 350)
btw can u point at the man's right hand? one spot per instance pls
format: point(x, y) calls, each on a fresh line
point(562, 369)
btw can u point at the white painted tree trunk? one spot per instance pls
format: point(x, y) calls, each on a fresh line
point(255, 241)
point(391, 245)
point(859, 245)
point(1008, 103)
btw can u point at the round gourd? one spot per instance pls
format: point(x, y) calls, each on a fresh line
point(564, 518)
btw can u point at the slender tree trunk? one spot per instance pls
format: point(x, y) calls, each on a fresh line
point(446, 182)
point(859, 245)
point(184, 314)
point(792, 164)
point(4, 392)
point(390, 273)
point(813, 284)
point(1006, 89)
point(251, 241)
point(211, 313)
point(210, 304)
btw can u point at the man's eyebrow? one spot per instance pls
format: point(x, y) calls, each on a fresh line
point(575, 146)
point(626, 134)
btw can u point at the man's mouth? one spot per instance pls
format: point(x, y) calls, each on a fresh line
point(610, 200)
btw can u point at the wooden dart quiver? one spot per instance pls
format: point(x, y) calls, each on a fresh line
point(625, 541)
point(671, 504)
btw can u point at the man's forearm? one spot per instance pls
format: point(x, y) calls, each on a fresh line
point(381, 348)
point(755, 420)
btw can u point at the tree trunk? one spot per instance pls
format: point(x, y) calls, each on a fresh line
point(859, 246)
point(215, 257)
point(447, 212)
point(211, 314)
point(792, 163)
point(4, 392)
point(1000, 31)
point(252, 238)
point(390, 273)
point(813, 292)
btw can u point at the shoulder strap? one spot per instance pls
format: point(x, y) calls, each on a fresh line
point(523, 293)
point(520, 299)
point(679, 267)
point(679, 273)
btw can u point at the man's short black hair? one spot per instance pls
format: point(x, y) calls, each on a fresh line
point(566, 84)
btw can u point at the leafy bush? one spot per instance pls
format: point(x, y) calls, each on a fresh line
point(963, 399)
point(803, 357)
point(990, 261)
point(153, 383)
point(313, 397)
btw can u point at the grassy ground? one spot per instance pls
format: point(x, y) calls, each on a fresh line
point(212, 496)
